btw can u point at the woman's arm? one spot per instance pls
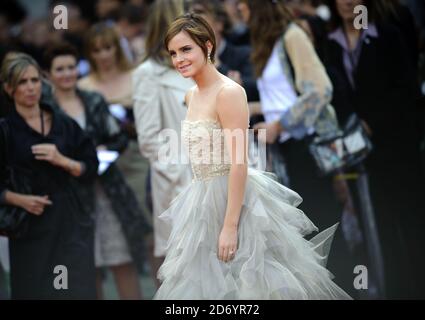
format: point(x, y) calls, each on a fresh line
point(233, 112)
point(112, 137)
point(83, 154)
point(32, 204)
point(81, 159)
point(50, 153)
point(311, 81)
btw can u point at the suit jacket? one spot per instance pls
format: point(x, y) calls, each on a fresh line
point(159, 104)
point(384, 92)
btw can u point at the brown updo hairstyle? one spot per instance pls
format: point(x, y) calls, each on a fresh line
point(198, 30)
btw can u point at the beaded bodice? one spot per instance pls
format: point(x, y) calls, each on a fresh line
point(204, 141)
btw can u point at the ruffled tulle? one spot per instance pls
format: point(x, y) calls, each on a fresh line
point(273, 260)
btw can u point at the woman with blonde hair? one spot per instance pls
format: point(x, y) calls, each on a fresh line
point(158, 104)
point(110, 70)
point(111, 76)
point(50, 151)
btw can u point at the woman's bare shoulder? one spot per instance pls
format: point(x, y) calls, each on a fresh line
point(231, 89)
point(87, 83)
point(227, 82)
point(189, 95)
point(231, 100)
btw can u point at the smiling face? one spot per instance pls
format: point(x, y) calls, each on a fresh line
point(63, 72)
point(28, 90)
point(187, 57)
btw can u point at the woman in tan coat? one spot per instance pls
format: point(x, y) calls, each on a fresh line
point(158, 94)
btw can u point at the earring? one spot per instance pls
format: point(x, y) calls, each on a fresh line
point(209, 57)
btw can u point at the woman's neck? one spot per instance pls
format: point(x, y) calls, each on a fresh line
point(349, 26)
point(65, 95)
point(206, 78)
point(28, 113)
point(351, 33)
point(109, 74)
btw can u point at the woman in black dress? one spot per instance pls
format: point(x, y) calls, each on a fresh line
point(120, 224)
point(53, 149)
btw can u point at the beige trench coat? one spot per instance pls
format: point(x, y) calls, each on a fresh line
point(158, 94)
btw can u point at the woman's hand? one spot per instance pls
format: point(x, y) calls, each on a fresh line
point(273, 129)
point(227, 243)
point(50, 153)
point(34, 204)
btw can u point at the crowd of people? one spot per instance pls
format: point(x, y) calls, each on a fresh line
point(107, 83)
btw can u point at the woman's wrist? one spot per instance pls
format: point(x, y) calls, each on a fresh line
point(62, 162)
point(70, 166)
point(12, 198)
point(231, 224)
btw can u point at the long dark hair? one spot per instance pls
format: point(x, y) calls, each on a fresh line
point(268, 21)
point(336, 21)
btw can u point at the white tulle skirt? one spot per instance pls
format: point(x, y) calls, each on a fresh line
point(273, 260)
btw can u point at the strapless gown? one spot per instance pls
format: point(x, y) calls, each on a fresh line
point(273, 259)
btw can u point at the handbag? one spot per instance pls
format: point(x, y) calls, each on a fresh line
point(343, 150)
point(13, 219)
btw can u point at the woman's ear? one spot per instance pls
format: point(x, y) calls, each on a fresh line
point(8, 89)
point(209, 46)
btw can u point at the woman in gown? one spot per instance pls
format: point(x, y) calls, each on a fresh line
point(236, 232)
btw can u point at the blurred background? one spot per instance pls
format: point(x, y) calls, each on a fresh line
point(377, 73)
